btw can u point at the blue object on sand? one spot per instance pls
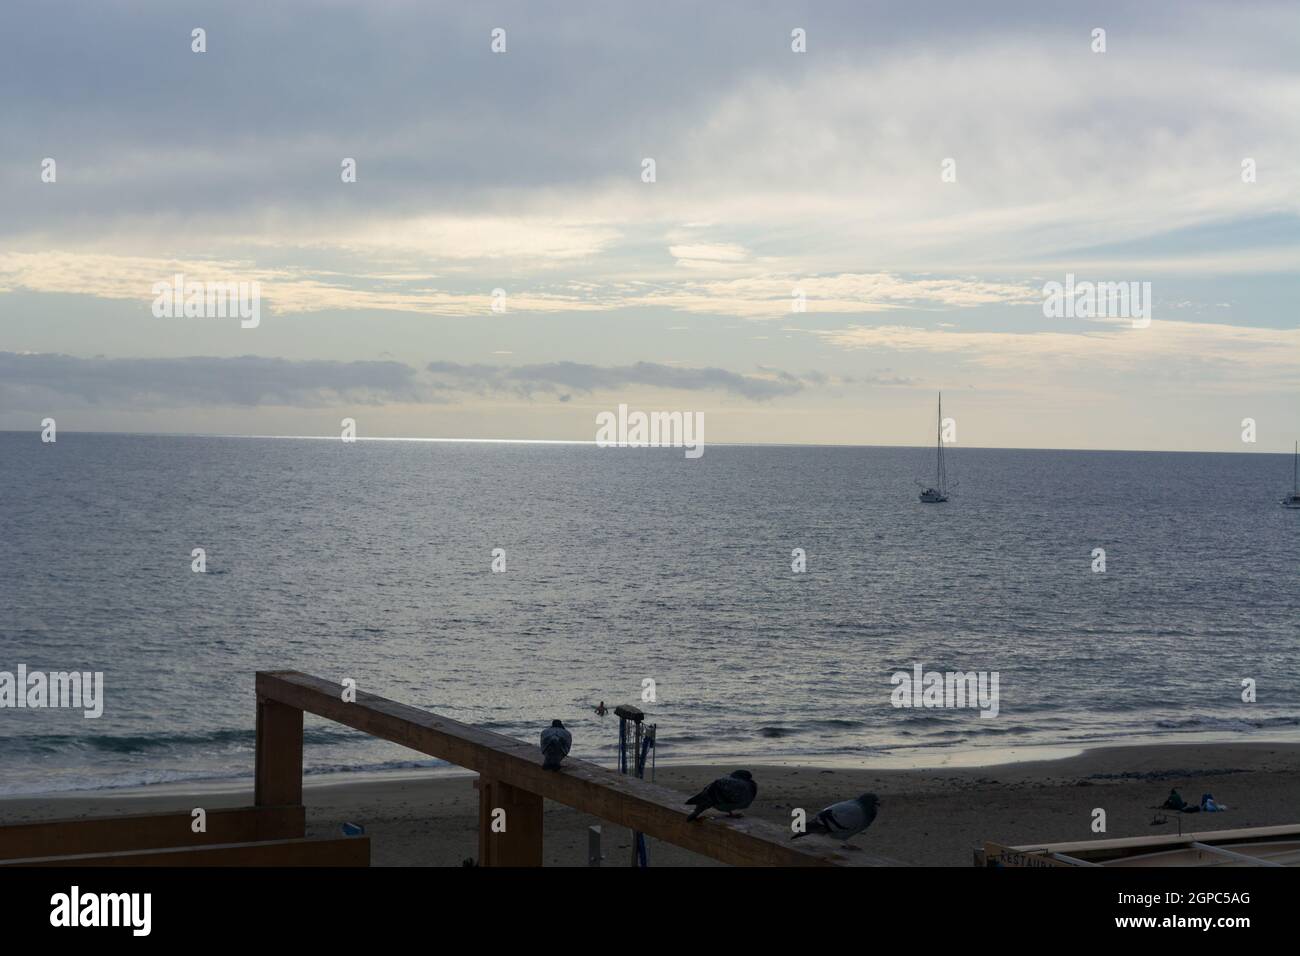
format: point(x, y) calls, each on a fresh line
point(353, 829)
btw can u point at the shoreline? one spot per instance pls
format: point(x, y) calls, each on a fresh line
point(925, 758)
point(932, 816)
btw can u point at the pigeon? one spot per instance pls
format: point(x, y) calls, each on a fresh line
point(556, 742)
point(844, 819)
point(735, 792)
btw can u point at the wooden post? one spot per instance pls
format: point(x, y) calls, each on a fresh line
point(520, 843)
point(278, 761)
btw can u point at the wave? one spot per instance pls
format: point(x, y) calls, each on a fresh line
point(146, 778)
point(1205, 722)
point(147, 743)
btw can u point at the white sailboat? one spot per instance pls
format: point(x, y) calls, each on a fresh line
point(938, 492)
point(1293, 500)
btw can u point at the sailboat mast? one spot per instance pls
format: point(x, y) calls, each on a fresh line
point(940, 477)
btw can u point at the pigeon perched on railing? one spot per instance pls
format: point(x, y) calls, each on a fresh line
point(728, 794)
point(844, 819)
point(556, 742)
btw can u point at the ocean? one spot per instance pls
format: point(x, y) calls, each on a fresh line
point(373, 560)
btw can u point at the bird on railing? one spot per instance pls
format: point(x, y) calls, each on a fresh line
point(556, 742)
point(729, 794)
point(844, 819)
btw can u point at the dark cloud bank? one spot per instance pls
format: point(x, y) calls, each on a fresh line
point(560, 378)
point(35, 381)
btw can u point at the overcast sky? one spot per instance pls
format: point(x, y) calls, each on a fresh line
point(776, 171)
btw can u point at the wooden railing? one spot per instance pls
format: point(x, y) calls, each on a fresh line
point(511, 778)
point(231, 836)
point(141, 831)
point(1212, 844)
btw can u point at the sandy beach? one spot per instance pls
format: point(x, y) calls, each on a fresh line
point(928, 816)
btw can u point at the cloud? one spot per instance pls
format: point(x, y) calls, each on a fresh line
point(285, 290)
point(526, 242)
point(777, 172)
point(1214, 355)
point(35, 381)
point(760, 294)
point(44, 380)
point(708, 256)
point(770, 295)
point(814, 163)
point(560, 378)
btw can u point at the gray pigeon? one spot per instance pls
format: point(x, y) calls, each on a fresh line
point(844, 819)
point(556, 742)
point(729, 794)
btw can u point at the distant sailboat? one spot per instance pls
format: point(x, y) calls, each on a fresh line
point(938, 493)
point(1293, 500)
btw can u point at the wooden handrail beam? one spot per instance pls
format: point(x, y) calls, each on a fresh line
point(652, 809)
point(337, 851)
point(147, 831)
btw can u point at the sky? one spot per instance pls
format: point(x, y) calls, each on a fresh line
point(830, 237)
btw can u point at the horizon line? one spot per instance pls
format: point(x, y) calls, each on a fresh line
point(579, 441)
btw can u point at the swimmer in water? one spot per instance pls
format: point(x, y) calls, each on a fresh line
point(600, 709)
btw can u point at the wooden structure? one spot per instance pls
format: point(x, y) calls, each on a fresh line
point(511, 778)
point(244, 836)
point(1253, 846)
point(511, 787)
